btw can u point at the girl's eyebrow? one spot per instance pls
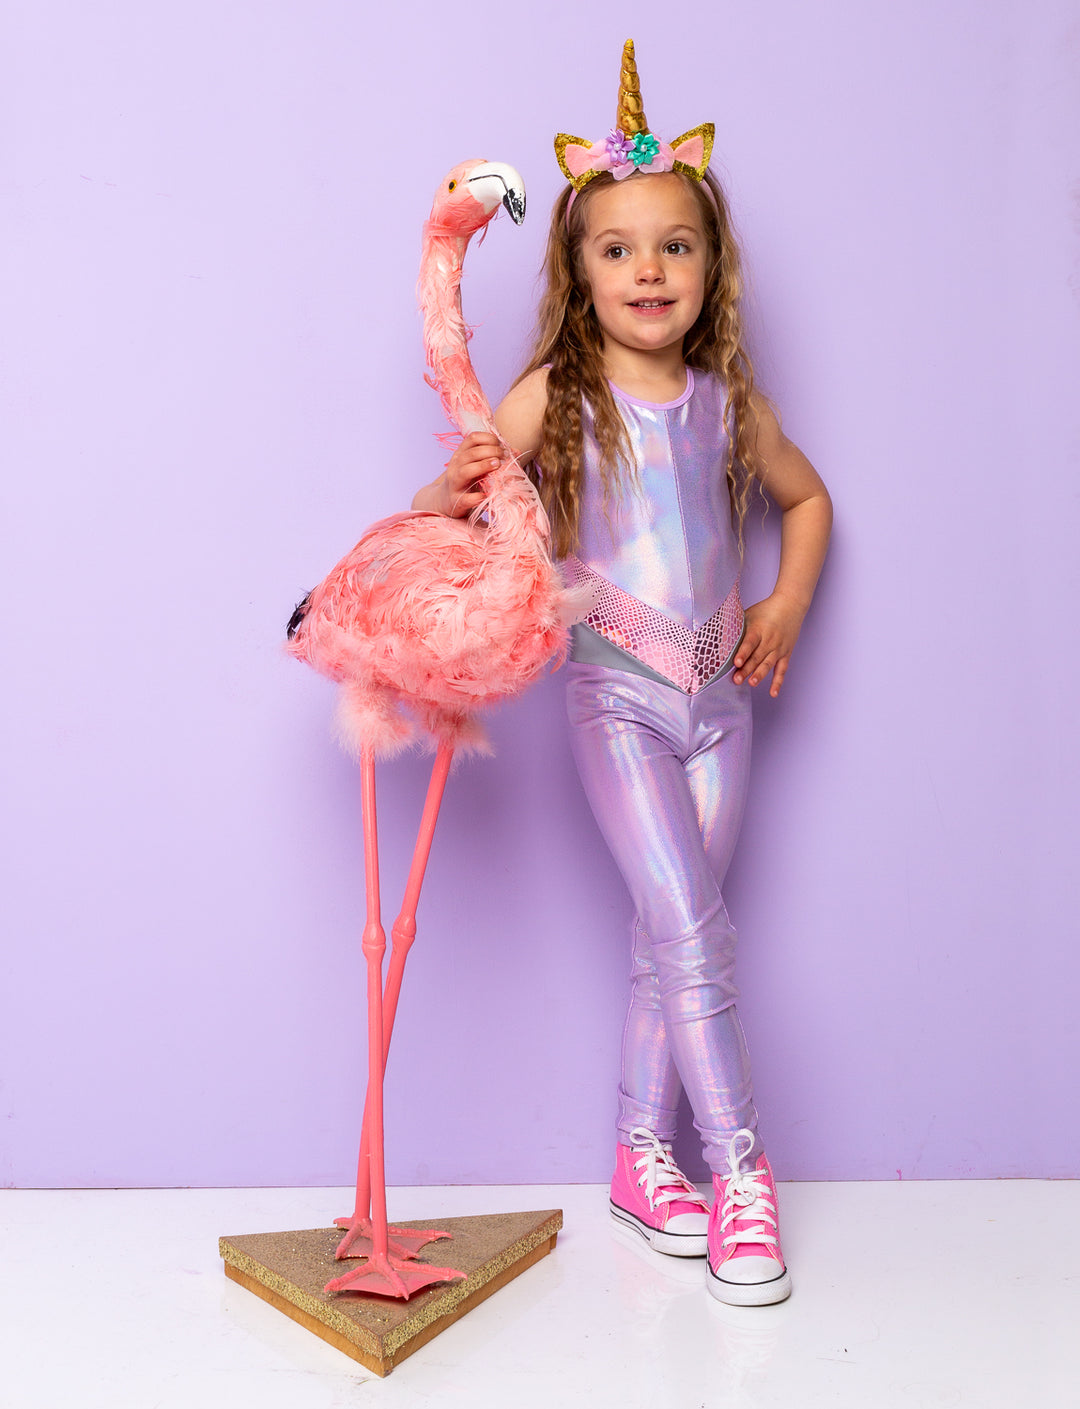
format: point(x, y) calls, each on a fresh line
point(622, 235)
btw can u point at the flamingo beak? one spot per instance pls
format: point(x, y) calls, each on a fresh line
point(500, 183)
point(514, 201)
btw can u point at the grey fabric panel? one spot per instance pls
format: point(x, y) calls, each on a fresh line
point(590, 647)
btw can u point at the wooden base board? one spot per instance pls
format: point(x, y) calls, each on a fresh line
point(290, 1270)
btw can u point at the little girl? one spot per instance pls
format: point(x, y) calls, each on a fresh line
point(638, 417)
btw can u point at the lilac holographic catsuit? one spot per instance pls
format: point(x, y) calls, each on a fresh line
point(661, 738)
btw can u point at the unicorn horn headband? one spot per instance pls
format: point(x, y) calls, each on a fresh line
point(630, 146)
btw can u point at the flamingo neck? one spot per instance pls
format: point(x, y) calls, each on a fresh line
point(446, 335)
point(516, 522)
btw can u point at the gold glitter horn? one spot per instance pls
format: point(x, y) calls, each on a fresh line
point(630, 113)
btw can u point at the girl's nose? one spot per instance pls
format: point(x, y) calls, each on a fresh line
point(649, 270)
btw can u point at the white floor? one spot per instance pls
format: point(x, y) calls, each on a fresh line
point(910, 1295)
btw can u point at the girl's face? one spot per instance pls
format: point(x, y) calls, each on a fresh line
point(645, 256)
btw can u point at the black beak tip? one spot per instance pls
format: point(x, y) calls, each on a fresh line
point(514, 201)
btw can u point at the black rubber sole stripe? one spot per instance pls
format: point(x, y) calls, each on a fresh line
point(623, 1215)
point(725, 1283)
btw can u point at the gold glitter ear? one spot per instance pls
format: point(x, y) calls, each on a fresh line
point(562, 141)
point(707, 132)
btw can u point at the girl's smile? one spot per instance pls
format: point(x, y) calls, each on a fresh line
point(652, 305)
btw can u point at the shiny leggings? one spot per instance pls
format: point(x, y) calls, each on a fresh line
point(665, 774)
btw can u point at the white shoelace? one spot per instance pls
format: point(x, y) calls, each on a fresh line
point(748, 1198)
point(664, 1181)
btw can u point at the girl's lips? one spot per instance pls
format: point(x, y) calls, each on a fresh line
point(651, 306)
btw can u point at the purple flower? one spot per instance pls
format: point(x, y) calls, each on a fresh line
point(619, 147)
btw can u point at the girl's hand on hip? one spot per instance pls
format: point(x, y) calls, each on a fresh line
point(771, 629)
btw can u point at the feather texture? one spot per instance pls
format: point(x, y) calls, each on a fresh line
point(430, 619)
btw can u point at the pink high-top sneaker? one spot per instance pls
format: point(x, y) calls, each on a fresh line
point(746, 1266)
point(651, 1194)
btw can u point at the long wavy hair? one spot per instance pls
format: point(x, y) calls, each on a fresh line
point(569, 341)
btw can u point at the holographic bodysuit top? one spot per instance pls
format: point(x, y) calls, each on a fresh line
point(663, 559)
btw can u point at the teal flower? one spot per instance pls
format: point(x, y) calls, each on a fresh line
point(645, 147)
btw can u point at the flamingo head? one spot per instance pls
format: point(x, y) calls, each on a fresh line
point(471, 194)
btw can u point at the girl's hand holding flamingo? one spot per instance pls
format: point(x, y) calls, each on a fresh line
point(459, 490)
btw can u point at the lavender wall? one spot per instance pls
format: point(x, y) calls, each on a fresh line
point(213, 383)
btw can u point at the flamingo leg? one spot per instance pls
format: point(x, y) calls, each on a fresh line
point(405, 1242)
point(386, 1272)
point(404, 928)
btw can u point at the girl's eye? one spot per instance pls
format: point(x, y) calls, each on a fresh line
point(614, 251)
point(677, 247)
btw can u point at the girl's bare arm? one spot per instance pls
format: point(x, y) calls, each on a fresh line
point(520, 415)
point(773, 624)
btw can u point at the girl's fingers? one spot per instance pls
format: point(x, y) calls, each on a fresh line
point(752, 662)
point(464, 476)
point(762, 661)
point(744, 656)
point(478, 455)
point(479, 443)
point(762, 649)
point(485, 452)
point(759, 671)
point(778, 676)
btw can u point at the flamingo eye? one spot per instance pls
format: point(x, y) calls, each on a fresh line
point(451, 185)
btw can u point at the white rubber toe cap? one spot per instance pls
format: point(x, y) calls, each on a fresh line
point(745, 1270)
point(696, 1224)
point(749, 1281)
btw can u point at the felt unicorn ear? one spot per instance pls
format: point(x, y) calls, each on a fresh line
point(576, 159)
point(693, 149)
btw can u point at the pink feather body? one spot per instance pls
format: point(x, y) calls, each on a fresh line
point(429, 619)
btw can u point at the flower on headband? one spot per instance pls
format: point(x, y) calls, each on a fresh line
point(619, 147)
point(645, 148)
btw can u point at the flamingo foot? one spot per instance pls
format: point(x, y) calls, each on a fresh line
point(392, 1276)
point(401, 1242)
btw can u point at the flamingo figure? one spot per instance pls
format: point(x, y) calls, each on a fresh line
point(424, 622)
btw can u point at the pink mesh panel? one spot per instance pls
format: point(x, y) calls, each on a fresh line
point(689, 659)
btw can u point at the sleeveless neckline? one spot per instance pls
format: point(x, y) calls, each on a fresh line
point(657, 405)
